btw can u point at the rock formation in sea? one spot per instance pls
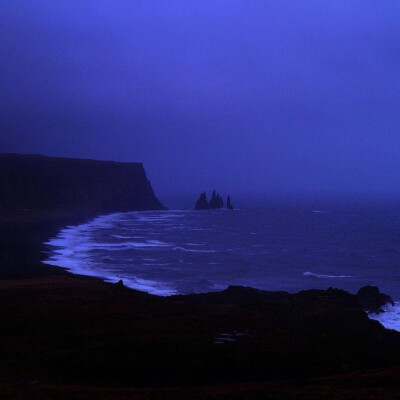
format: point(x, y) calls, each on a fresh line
point(215, 202)
point(229, 205)
point(202, 203)
point(372, 300)
point(34, 182)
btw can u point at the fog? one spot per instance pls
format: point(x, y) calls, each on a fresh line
point(259, 99)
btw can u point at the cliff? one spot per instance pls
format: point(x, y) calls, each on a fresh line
point(35, 182)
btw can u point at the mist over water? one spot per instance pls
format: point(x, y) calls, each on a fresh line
point(275, 248)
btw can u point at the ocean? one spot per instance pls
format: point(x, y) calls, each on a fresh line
point(288, 248)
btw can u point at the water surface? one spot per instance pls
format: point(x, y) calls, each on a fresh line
point(277, 248)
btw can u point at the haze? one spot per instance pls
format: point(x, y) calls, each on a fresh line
point(254, 98)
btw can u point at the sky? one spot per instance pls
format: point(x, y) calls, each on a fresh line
point(252, 98)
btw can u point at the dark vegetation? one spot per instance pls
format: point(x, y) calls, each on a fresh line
point(75, 331)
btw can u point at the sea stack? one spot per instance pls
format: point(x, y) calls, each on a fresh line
point(215, 202)
point(229, 205)
point(202, 203)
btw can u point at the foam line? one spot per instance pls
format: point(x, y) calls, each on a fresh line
point(390, 319)
point(178, 248)
point(72, 246)
point(308, 273)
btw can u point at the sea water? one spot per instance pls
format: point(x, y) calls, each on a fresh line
point(275, 248)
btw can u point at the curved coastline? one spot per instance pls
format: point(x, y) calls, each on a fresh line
point(68, 242)
point(67, 252)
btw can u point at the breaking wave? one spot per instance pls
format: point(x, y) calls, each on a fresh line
point(308, 273)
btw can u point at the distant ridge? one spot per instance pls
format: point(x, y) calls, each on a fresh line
point(38, 182)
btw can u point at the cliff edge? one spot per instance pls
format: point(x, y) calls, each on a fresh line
point(35, 182)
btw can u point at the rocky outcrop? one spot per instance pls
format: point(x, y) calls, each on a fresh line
point(237, 335)
point(216, 202)
point(33, 182)
point(202, 203)
point(309, 332)
point(229, 205)
point(372, 300)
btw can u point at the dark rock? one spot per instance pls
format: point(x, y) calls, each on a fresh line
point(119, 284)
point(202, 203)
point(229, 205)
point(216, 201)
point(39, 183)
point(171, 341)
point(372, 300)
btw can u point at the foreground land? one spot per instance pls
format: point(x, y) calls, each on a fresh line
point(64, 336)
point(373, 384)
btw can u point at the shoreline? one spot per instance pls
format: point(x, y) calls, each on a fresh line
point(24, 236)
point(84, 332)
point(70, 244)
point(68, 233)
point(47, 226)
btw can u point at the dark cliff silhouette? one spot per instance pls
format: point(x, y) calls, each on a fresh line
point(215, 202)
point(35, 182)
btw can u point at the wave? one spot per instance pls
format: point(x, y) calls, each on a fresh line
point(77, 267)
point(72, 248)
point(308, 273)
point(158, 217)
point(178, 248)
point(390, 319)
point(126, 237)
point(199, 250)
